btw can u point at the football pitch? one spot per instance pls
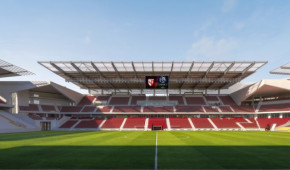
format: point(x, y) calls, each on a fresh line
point(145, 150)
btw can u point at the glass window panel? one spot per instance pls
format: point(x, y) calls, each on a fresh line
point(166, 68)
point(167, 64)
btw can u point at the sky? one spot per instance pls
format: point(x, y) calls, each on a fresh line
point(143, 30)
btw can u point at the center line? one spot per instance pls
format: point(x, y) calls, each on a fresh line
point(156, 152)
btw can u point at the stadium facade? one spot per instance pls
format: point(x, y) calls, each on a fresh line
point(147, 96)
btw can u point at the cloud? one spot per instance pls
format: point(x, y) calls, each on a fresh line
point(209, 48)
point(239, 25)
point(228, 5)
point(87, 39)
point(204, 27)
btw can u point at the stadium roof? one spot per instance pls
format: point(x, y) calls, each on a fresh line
point(263, 88)
point(8, 87)
point(10, 70)
point(131, 75)
point(285, 69)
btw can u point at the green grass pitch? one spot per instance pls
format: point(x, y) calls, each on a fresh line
point(136, 150)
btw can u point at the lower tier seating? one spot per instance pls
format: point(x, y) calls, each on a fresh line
point(113, 122)
point(135, 122)
point(248, 125)
point(201, 123)
point(179, 122)
point(174, 122)
point(90, 123)
point(263, 122)
point(68, 124)
point(225, 122)
point(157, 122)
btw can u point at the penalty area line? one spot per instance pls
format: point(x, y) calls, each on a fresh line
point(156, 151)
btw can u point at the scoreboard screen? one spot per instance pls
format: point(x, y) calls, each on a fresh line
point(156, 82)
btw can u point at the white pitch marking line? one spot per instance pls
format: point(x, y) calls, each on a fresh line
point(156, 151)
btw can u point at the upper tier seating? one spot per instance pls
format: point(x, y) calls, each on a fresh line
point(227, 100)
point(210, 109)
point(113, 122)
point(82, 118)
point(104, 109)
point(195, 101)
point(87, 100)
point(68, 124)
point(225, 108)
point(211, 98)
point(177, 98)
point(163, 98)
point(201, 123)
point(119, 101)
point(89, 109)
point(157, 122)
point(135, 122)
point(104, 99)
point(30, 107)
point(127, 109)
point(189, 109)
point(243, 108)
point(34, 116)
point(225, 122)
point(263, 122)
point(179, 122)
point(275, 107)
point(137, 98)
point(71, 108)
point(48, 108)
point(89, 123)
point(158, 109)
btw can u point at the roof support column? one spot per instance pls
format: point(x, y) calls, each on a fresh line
point(252, 101)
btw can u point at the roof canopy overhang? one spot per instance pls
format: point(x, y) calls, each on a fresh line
point(10, 70)
point(285, 70)
point(131, 75)
point(263, 89)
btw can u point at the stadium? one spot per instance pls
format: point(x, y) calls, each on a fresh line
point(145, 115)
point(144, 84)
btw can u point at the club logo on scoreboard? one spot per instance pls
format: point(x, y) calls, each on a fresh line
point(150, 82)
point(156, 82)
